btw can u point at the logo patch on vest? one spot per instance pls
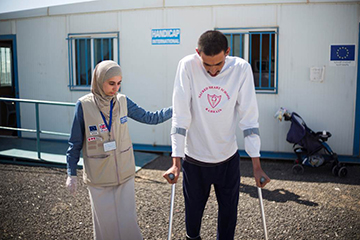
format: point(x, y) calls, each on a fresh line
point(93, 130)
point(91, 139)
point(103, 127)
point(123, 119)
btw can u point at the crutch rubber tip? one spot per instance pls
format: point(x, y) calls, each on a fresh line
point(171, 176)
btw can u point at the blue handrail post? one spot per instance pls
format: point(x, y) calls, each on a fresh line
point(37, 130)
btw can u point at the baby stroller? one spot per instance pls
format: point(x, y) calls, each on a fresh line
point(310, 147)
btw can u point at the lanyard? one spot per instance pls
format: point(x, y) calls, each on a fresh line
point(108, 126)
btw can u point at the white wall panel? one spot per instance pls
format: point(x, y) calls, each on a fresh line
point(246, 16)
point(24, 14)
point(144, 71)
point(6, 27)
point(43, 71)
point(184, 3)
point(304, 44)
point(95, 22)
point(152, 69)
point(105, 5)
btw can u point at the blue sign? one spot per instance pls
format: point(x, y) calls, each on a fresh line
point(165, 36)
point(342, 53)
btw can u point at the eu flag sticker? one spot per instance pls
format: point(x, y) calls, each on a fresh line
point(93, 130)
point(342, 55)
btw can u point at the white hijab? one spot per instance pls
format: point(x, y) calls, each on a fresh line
point(102, 72)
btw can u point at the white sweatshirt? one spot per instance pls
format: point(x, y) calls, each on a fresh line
point(208, 108)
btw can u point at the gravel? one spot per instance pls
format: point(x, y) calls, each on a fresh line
point(34, 204)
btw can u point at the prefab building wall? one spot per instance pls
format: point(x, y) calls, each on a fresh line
point(305, 32)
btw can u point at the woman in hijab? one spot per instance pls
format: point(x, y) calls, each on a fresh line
point(100, 129)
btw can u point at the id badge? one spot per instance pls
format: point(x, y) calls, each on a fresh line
point(108, 146)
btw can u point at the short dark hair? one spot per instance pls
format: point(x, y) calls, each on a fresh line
point(212, 43)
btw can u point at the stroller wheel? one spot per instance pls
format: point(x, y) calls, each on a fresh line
point(335, 170)
point(342, 172)
point(298, 169)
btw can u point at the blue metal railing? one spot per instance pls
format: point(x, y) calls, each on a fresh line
point(38, 131)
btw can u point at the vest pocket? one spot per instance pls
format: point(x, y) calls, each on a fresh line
point(126, 163)
point(100, 170)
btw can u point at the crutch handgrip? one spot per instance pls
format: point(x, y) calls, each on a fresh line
point(262, 180)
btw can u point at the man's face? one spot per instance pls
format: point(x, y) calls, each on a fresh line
point(213, 64)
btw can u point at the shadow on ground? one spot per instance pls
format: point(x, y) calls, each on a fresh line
point(278, 195)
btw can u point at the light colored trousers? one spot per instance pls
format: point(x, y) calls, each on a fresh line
point(114, 212)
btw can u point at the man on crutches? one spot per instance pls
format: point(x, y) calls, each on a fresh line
point(211, 91)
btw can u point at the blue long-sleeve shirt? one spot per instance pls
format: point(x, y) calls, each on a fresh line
point(78, 129)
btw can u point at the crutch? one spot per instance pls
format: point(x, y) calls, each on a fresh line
point(262, 180)
point(171, 176)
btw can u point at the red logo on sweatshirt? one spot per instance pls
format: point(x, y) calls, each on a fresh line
point(214, 97)
point(214, 100)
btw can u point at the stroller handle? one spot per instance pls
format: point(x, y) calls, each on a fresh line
point(282, 113)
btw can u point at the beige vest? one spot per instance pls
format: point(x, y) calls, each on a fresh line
point(112, 167)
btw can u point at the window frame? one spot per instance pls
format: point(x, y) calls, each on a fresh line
point(72, 37)
point(246, 46)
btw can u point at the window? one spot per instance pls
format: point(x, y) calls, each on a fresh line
point(87, 50)
point(5, 67)
point(259, 46)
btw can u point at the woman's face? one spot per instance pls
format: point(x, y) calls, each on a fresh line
point(112, 85)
